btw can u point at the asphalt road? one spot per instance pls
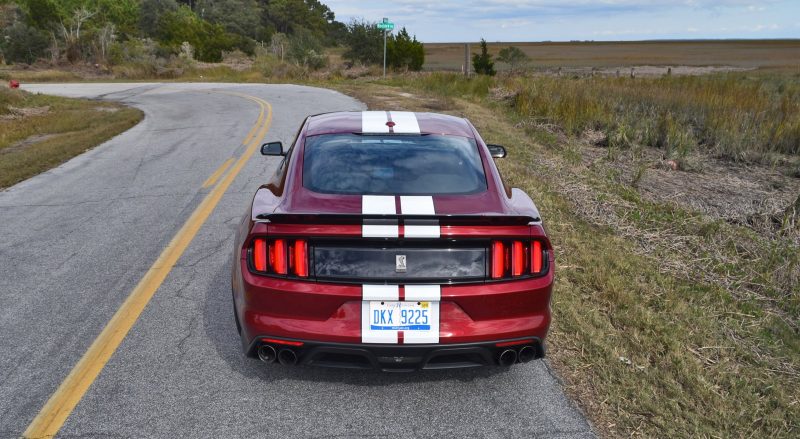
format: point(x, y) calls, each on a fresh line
point(77, 239)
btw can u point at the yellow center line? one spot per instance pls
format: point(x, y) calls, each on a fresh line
point(215, 176)
point(61, 404)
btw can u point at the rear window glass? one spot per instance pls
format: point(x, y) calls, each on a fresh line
point(392, 165)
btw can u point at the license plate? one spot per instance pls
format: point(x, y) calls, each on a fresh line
point(400, 316)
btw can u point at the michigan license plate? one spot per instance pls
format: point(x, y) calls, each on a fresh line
point(400, 316)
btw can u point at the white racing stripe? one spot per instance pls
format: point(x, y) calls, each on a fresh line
point(376, 292)
point(424, 293)
point(374, 122)
point(419, 205)
point(380, 292)
point(378, 205)
point(379, 228)
point(405, 122)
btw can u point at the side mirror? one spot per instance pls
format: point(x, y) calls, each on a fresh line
point(497, 151)
point(272, 148)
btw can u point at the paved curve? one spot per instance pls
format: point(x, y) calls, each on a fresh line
point(77, 239)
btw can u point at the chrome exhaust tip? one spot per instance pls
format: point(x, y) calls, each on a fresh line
point(507, 357)
point(526, 354)
point(266, 353)
point(287, 357)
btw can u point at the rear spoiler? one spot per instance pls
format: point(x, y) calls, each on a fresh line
point(327, 218)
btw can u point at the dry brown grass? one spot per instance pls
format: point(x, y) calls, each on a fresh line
point(741, 54)
point(39, 132)
point(651, 339)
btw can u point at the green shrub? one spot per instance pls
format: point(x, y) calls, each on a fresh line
point(183, 25)
point(405, 52)
point(22, 43)
point(364, 43)
point(482, 63)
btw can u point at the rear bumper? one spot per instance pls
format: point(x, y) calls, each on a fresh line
point(406, 358)
point(331, 313)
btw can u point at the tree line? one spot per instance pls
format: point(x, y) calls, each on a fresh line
point(114, 31)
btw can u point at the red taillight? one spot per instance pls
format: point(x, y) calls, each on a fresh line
point(260, 254)
point(512, 259)
point(277, 256)
point(517, 259)
point(300, 258)
point(536, 257)
point(498, 259)
point(280, 256)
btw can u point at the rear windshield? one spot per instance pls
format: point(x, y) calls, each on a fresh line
point(392, 165)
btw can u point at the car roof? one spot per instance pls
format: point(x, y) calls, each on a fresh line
point(388, 122)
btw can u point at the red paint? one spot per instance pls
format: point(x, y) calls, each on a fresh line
point(289, 218)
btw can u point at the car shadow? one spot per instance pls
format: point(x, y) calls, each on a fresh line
point(220, 328)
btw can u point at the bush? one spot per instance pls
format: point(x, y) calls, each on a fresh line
point(482, 63)
point(364, 43)
point(405, 52)
point(22, 43)
point(183, 25)
point(512, 56)
point(306, 51)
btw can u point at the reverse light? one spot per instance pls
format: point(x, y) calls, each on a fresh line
point(517, 259)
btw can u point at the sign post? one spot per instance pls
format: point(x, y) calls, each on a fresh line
point(385, 25)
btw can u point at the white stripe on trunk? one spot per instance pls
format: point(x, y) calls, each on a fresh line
point(424, 293)
point(377, 292)
point(417, 205)
point(380, 292)
point(421, 229)
point(405, 122)
point(374, 122)
point(378, 205)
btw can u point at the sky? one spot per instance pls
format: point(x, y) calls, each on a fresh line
point(565, 20)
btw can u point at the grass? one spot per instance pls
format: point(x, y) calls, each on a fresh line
point(39, 132)
point(614, 54)
point(649, 341)
point(741, 116)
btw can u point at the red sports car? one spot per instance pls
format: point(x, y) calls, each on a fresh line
point(388, 240)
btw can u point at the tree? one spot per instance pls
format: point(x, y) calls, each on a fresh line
point(364, 42)
point(209, 40)
point(512, 56)
point(482, 63)
point(22, 43)
point(151, 12)
point(305, 50)
point(405, 52)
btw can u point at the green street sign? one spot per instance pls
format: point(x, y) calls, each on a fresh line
point(386, 25)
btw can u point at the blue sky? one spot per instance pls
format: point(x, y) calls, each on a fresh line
point(539, 20)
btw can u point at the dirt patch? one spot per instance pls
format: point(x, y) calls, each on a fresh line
point(19, 113)
point(22, 144)
point(106, 109)
point(752, 195)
